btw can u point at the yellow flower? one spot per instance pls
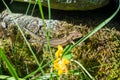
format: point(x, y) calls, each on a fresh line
point(59, 51)
point(60, 64)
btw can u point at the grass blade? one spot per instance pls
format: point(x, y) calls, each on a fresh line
point(4, 77)
point(9, 65)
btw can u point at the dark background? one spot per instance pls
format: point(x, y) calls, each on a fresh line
point(91, 17)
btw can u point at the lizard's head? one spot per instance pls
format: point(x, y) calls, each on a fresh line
point(75, 35)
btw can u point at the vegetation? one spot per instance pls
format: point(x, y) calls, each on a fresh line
point(94, 56)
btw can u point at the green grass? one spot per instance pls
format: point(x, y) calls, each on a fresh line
point(47, 62)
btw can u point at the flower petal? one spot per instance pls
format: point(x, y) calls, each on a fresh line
point(59, 51)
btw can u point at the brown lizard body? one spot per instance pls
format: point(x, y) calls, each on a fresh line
point(65, 40)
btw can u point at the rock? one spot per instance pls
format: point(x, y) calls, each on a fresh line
point(72, 4)
point(76, 4)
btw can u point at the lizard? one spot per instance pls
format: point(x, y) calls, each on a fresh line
point(65, 40)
